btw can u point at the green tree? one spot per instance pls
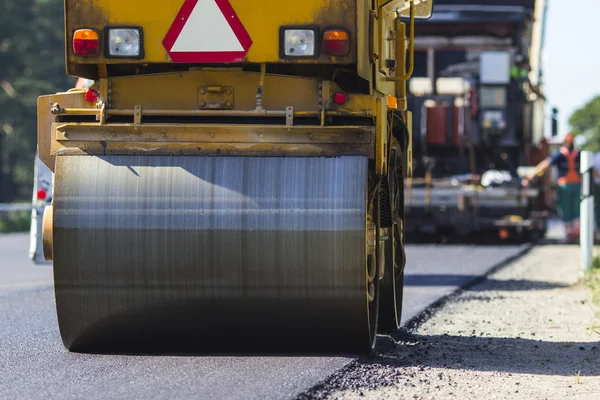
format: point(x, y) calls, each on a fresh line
point(586, 120)
point(31, 64)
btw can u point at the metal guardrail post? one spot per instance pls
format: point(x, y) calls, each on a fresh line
point(586, 237)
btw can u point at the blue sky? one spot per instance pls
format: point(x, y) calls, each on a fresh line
point(571, 57)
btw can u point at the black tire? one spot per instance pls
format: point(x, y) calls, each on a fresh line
point(390, 301)
point(392, 285)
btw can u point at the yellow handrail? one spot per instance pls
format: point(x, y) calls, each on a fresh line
point(411, 50)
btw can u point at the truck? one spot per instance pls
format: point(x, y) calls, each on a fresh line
point(478, 127)
point(237, 166)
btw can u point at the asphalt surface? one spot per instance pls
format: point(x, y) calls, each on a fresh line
point(35, 365)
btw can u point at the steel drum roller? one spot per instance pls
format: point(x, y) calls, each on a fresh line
point(211, 252)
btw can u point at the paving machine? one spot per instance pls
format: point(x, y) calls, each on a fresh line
point(234, 177)
point(478, 103)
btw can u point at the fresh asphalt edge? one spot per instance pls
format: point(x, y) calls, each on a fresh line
point(386, 343)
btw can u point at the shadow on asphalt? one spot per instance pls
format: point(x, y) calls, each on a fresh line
point(485, 353)
point(493, 284)
point(476, 240)
point(391, 362)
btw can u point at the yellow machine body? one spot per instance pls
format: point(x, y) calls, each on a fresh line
point(257, 108)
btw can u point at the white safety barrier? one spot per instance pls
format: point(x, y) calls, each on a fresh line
point(7, 207)
point(586, 235)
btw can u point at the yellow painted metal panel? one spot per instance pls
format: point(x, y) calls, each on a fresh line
point(261, 18)
point(193, 139)
point(45, 119)
point(179, 91)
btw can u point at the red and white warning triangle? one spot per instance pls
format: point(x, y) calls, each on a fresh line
point(207, 31)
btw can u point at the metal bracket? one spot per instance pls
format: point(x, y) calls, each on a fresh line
point(102, 116)
point(137, 115)
point(215, 97)
point(289, 116)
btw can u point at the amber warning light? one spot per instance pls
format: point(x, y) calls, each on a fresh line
point(86, 42)
point(336, 42)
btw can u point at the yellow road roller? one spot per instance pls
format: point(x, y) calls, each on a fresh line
point(233, 179)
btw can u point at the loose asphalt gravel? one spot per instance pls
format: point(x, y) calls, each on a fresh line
point(529, 331)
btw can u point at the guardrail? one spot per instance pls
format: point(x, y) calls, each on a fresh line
point(8, 207)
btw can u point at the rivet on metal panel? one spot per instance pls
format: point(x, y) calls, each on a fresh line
point(289, 115)
point(137, 115)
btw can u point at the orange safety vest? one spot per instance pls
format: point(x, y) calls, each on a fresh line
point(572, 175)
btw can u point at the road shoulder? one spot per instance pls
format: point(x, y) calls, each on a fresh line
point(525, 332)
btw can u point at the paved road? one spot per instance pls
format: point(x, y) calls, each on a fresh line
point(34, 364)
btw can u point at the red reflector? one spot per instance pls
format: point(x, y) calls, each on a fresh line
point(41, 194)
point(336, 42)
point(85, 42)
point(340, 98)
point(85, 47)
point(91, 95)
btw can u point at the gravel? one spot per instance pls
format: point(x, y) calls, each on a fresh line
point(525, 332)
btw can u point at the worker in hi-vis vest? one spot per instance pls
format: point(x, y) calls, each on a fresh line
point(566, 160)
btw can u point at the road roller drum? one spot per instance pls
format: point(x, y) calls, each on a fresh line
point(205, 251)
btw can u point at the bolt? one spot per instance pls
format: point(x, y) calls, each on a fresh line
point(228, 91)
point(202, 103)
point(261, 136)
point(228, 103)
point(202, 91)
point(212, 135)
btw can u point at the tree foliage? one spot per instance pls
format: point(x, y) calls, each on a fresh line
point(31, 64)
point(586, 120)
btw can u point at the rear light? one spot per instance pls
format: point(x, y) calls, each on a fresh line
point(336, 42)
point(41, 194)
point(91, 96)
point(340, 98)
point(86, 42)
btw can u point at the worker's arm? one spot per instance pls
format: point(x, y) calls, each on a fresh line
point(539, 169)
